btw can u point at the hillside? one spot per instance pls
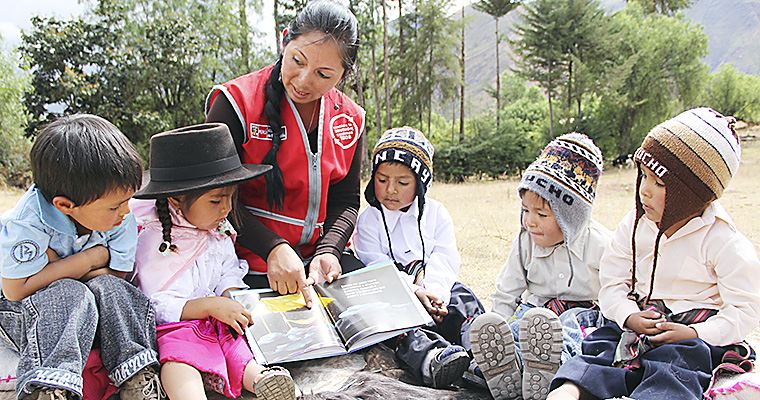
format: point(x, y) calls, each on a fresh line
point(732, 27)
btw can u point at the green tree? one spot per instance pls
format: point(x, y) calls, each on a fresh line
point(734, 93)
point(665, 7)
point(496, 9)
point(658, 72)
point(14, 145)
point(541, 51)
point(145, 65)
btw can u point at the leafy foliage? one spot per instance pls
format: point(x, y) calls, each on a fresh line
point(14, 146)
point(734, 93)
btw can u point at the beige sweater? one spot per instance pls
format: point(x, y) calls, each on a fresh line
point(705, 264)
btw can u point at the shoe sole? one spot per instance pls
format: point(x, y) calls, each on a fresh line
point(276, 386)
point(450, 370)
point(541, 345)
point(494, 350)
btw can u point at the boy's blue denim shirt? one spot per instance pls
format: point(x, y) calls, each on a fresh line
point(35, 225)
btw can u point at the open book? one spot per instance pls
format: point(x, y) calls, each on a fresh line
point(358, 309)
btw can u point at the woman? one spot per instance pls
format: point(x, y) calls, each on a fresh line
point(290, 115)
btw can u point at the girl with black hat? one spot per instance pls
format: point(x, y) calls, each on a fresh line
point(186, 264)
point(291, 116)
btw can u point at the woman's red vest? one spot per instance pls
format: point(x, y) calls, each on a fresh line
point(307, 177)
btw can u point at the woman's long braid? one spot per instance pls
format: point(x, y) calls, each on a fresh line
point(162, 209)
point(275, 92)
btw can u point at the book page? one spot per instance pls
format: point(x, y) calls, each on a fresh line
point(285, 330)
point(369, 301)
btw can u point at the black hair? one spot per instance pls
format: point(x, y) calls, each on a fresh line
point(337, 23)
point(83, 157)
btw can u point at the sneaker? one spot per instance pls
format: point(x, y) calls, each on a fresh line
point(448, 365)
point(49, 394)
point(474, 376)
point(541, 345)
point(494, 351)
point(275, 384)
point(144, 385)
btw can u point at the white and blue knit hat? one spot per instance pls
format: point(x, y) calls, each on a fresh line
point(410, 147)
point(565, 175)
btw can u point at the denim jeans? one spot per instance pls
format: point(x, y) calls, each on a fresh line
point(55, 328)
point(572, 335)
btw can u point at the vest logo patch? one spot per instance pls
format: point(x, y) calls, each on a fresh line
point(264, 132)
point(25, 251)
point(344, 131)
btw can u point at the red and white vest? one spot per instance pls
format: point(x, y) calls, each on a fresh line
point(306, 176)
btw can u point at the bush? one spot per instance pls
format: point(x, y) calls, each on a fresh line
point(14, 146)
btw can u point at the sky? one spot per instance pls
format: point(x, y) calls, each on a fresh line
point(17, 13)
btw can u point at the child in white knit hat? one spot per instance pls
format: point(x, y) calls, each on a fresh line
point(679, 283)
point(416, 232)
point(550, 281)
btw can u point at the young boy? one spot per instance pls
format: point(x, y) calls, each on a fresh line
point(553, 269)
point(417, 234)
point(680, 285)
point(66, 247)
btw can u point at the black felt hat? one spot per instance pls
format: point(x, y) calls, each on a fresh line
point(194, 158)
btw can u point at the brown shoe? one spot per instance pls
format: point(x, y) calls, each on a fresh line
point(49, 394)
point(144, 385)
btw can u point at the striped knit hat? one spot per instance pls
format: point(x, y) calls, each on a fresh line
point(565, 175)
point(407, 146)
point(695, 154)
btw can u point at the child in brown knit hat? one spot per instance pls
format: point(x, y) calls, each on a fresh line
point(679, 282)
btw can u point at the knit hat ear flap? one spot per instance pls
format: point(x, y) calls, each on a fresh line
point(369, 193)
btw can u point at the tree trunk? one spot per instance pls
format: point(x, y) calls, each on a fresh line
point(386, 78)
point(430, 87)
point(461, 86)
point(375, 90)
point(276, 25)
point(244, 45)
point(401, 28)
point(498, 77)
point(417, 65)
point(551, 116)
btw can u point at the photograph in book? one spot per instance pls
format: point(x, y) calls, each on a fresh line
point(356, 310)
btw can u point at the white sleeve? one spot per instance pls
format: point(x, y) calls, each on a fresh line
point(233, 270)
point(511, 282)
point(170, 302)
point(367, 238)
point(737, 268)
point(615, 274)
point(442, 266)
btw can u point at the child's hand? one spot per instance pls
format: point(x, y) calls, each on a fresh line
point(324, 267)
point(673, 332)
point(52, 255)
point(231, 313)
point(433, 305)
point(645, 322)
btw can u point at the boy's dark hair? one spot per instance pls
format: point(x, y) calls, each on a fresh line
point(83, 157)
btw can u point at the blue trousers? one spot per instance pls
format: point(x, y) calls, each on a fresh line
point(413, 346)
point(675, 371)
